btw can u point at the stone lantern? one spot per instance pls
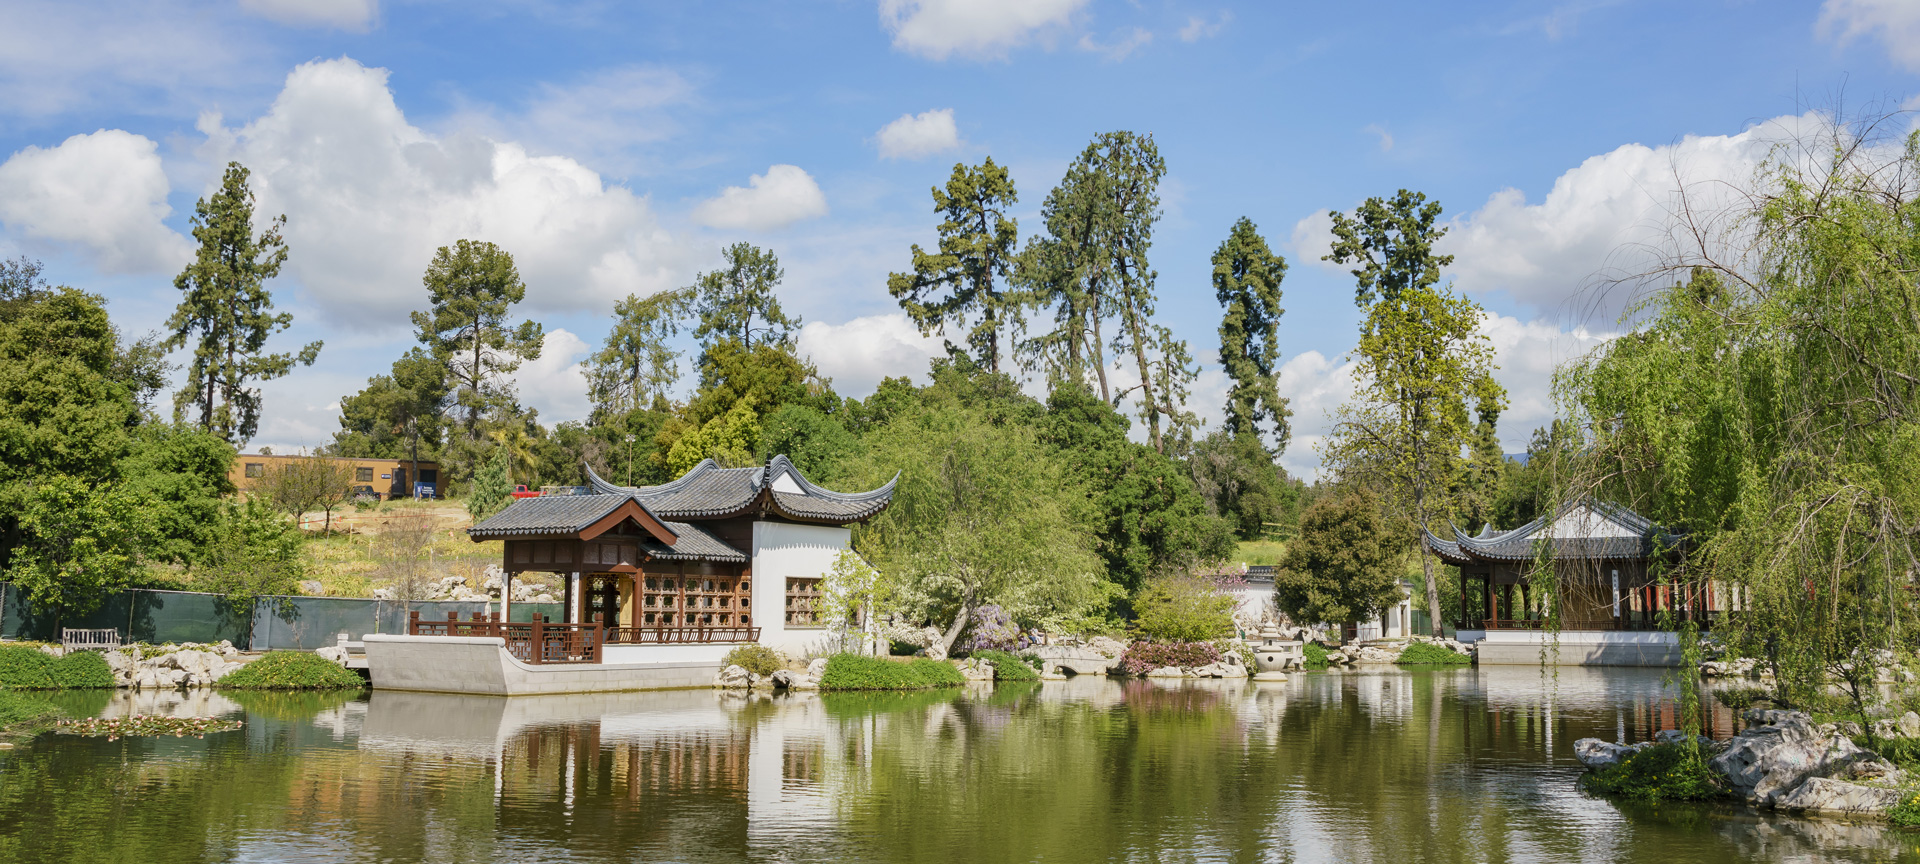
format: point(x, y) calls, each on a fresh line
point(1274, 653)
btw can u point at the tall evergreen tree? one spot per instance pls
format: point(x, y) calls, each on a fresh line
point(729, 300)
point(1246, 280)
point(472, 285)
point(637, 365)
point(1070, 270)
point(1424, 368)
point(226, 312)
point(968, 276)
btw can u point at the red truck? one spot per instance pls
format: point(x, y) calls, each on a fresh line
point(522, 491)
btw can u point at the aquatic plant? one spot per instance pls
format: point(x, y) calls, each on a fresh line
point(23, 716)
point(291, 670)
point(113, 728)
point(30, 669)
point(758, 659)
point(854, 672)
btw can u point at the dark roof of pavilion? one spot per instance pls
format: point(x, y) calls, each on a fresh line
point(570, 515)
point(708, 491)
point(694, 544)
point(1615, 533)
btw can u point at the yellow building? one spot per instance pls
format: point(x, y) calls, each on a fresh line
point(387, 477)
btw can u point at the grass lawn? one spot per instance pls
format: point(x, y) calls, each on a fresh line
point(1261, 552)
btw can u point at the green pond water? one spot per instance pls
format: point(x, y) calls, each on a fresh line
point(1463, 765)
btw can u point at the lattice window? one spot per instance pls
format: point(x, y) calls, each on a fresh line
point(683, 596)
point(803, 602)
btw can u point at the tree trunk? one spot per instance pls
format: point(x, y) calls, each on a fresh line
point(1099, 357)
point(959, 624)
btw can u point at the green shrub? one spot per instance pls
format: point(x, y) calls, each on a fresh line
point(1906, 813)
point(758, 659)
point(1183, 609)
point(1429, 654)
point(1741, 698)
point(291, 670)
point(854, 672)
point(29, 669)
point(1316, 656)
point(1663, 772)
point(1007, 667)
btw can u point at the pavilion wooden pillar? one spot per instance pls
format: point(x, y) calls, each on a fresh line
point(1463, 599)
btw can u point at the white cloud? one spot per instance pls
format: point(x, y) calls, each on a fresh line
point(1312, 238)
point(1386, 138)
point(1199, 28)
point(353, 15)
point(1315, 387)
point(369, 197)
point(1579, 251)
point(915, 135)
point(980, 29)
point(1895, 22)
point(1118, 49)
point(860, 352)
point(70, 56)
point(556, 383)
point(104, 191)
point(782, 196)
point(601, 119)
point(1605, 219)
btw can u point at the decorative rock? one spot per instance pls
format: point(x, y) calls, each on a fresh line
point(1779, 753)
point(333, 653)
point(817, 668)
point(734, 677)
point(1107, 645)
point(975, 669)
point(1595, 753)
point(935, 650)
point(1838, 797)
point(383, 594)
point(1168, 672)
point(312, 588)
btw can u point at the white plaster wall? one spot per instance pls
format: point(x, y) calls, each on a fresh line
point(664, 653)
point(781, 551)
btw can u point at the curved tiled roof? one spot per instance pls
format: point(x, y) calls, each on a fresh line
point(1519, 543)
point(569, 515)
point(548, 515)
point(708, 491)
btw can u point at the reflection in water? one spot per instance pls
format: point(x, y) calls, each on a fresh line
point(1455, 765)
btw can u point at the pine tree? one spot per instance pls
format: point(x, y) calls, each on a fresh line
point(226, 312)
point(472, 286)
point(729, 300)
point(1246, 280)
point(968, 276)
point(492, 489)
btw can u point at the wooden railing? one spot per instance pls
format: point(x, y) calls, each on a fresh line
point(680, 635)
point(537, 642)
point(1628, 624)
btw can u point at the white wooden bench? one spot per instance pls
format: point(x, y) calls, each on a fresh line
point(89, 640)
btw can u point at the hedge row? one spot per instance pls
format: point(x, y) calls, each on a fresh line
point(291, 670)
point(854, 672)
point(1007, 666)
point(23, 668)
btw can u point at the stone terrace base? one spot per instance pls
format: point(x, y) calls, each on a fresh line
point(481, 665)
point(1578, 648)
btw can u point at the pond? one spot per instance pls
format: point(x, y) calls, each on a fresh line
point(1391, 766)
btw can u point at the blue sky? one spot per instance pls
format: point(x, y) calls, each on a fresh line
point(614, 148)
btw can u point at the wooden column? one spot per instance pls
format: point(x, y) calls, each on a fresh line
point(506, 596)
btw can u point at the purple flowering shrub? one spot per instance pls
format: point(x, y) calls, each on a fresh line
point(993, 630)
point(1144, 657)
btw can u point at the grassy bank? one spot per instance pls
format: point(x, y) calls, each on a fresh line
point(23, 716)
point(291, 670)
point(26, 668)
point(1260, 551)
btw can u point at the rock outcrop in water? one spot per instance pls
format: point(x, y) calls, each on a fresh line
point(1785, 762)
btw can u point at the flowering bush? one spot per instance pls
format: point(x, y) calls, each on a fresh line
point(1144, 657)
point(993, 630)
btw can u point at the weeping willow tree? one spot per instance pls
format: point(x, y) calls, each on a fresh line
point(1768, 405)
